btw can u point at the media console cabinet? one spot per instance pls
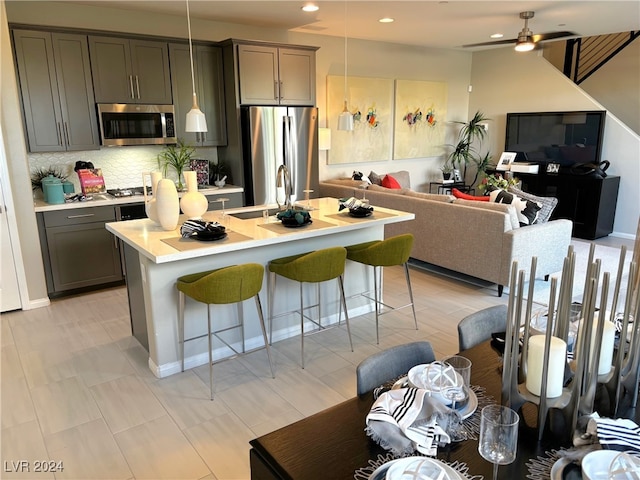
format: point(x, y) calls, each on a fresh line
point(588, 200)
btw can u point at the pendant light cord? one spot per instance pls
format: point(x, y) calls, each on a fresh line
point(345, 51)
point(193, 82)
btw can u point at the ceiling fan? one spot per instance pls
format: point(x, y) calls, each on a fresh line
point(526, 40)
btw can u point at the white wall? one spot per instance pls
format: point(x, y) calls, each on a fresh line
point(18, 169)
point(617, 85)
point(506, 81)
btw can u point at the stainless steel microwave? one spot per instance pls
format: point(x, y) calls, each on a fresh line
point(132, 124)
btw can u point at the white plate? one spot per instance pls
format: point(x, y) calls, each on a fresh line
point(418, 378)
point(558, 467)
point(465, 412)
point(394, 469)
point(595, 465)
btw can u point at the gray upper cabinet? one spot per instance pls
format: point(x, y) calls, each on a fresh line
point(207, 65)
point(56, 89)
point(270, 75)
point(130, 71)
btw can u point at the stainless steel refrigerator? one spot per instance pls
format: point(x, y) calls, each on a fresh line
point(274, 136)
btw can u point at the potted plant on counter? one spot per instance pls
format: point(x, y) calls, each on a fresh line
point(176, 157)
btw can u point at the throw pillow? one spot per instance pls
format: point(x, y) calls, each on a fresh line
point(375, 178)
point(526, 209)
point(458, 194)
point(403, 177)
point(548, 204)
point(389, 182)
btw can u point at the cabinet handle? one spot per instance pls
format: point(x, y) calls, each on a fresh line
point(115, 242)
point(275, 90)
point(131, 85)
point(138, 87)
point(66, 133)
point(281, 95)
point(81, 216)
point(60, 142)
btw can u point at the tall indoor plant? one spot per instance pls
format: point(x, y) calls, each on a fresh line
point(467, 150)
point(176, 157)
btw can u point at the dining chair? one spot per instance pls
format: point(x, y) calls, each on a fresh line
point(391, 363)
point(478, 327)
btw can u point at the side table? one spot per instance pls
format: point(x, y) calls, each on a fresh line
point(447, 187)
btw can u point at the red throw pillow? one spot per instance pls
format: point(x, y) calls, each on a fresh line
point(458, 194)
point(389, 182)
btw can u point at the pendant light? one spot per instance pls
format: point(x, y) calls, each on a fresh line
point(196, 121)
point(345, 120)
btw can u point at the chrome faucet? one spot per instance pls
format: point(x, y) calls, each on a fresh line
point(283, 181)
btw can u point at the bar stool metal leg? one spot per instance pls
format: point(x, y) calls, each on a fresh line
point(413, 306)
point(264, 333)
point(210, 351)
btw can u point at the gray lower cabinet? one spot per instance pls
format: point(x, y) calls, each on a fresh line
point(209, 81)
point(234, 200)
point(78, 251)
point(130, 70)
point(57, 91)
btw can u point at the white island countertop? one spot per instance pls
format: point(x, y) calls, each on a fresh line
point(149, 239)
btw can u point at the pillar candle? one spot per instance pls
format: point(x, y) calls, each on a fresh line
point(535, 362)
point(606, 346)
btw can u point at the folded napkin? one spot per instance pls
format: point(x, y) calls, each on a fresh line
point(353, 203)
point(619, 434)
point(191, 226)
point(407, 419)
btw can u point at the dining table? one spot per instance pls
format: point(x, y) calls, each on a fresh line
point(333, 444)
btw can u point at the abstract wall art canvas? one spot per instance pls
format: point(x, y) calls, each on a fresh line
point(370, 100)
point(419, 119)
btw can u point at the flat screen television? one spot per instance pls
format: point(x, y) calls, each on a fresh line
point(565, 138)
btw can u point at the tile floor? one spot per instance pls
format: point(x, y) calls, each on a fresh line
point(76, 389)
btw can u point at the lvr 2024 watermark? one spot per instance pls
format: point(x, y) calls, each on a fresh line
point(37, 466)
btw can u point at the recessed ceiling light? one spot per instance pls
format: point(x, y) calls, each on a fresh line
point(310, 8)
point(497, 35)
point(386, 20)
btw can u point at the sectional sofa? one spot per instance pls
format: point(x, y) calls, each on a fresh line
point(480, 239)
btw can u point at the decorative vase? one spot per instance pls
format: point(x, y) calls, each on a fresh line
point(150, 202)
point(193, 203)
point(167, 204)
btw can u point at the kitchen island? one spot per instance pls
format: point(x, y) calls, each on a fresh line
point(155, 258)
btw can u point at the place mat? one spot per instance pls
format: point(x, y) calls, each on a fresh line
point(365, 473)
point(183, 244)
point(277, 227)
point(344, 216)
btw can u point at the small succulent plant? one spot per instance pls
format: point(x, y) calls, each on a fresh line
point(291, 214)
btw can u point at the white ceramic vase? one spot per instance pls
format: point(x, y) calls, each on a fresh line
point(167, 204)
point(150, 202)
point(193, 203)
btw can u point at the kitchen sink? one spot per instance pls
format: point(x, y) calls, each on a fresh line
point(253, 213)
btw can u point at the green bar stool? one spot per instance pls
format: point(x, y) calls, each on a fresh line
point(226, 285)
point(385, 253)
point(314, 267)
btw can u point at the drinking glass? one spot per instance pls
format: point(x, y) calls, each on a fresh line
point(498, 442)
point(223, 216)
point(456, 390)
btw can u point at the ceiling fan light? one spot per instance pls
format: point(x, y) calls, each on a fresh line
point(524, 43)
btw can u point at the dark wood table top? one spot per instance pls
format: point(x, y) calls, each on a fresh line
point(332, 444)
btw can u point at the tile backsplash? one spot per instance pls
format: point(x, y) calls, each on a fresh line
point(122, 167)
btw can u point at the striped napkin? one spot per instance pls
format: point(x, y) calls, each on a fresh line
point(405, 420)
point(616, 434)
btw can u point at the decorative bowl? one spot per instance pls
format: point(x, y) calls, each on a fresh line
point(294, 217)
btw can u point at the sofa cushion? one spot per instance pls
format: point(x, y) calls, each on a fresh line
point(436, 197)
point(378, 188)
point(499, 207)
point(458, 194)
point(389, 182)
point(374, 178)
point(347, 182)
point(402, 177)
point(548, 204)
point(526, 210)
